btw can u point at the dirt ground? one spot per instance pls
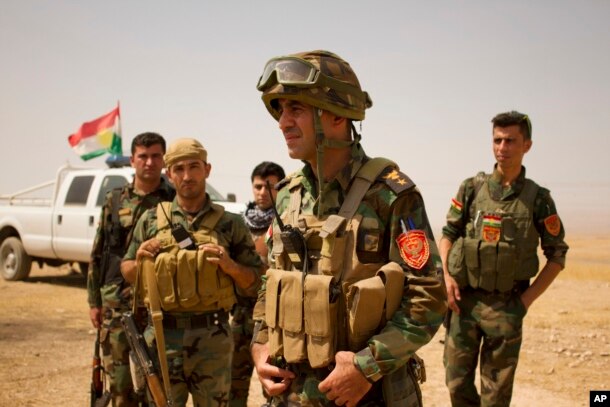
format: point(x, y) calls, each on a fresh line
point(46, 341)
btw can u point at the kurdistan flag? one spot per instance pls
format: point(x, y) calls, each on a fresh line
point(99, 136)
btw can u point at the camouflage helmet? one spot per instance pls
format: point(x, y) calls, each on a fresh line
point(318, 78)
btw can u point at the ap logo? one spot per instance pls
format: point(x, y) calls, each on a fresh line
point(599, 398)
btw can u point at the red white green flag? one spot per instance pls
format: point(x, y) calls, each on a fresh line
point(99, 136)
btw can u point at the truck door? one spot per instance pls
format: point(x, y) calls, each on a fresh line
point(71, 219)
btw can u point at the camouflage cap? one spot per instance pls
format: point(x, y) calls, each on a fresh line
point(185, 149)
point(341, 95)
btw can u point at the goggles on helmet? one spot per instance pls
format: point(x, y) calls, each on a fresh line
point(294, 71)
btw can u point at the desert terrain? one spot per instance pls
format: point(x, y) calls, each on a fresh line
point(46, 340)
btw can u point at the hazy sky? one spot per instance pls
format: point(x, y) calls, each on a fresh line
point(437, 72)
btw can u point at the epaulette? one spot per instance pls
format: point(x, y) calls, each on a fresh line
point(396, 180)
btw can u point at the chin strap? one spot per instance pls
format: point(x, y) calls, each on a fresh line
point(321, 144)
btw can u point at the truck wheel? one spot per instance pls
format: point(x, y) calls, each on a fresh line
point(15, 264)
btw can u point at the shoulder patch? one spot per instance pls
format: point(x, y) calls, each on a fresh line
point(456, 206)
point(396, 180)
point(413, 247)
point(553, 224)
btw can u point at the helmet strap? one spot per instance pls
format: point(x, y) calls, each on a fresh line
point(356, 137)
point(321, 144)
point(320, 139)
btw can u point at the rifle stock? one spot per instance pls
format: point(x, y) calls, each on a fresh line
point(143, 359)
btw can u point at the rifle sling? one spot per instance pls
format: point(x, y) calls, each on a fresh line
point(157, 320)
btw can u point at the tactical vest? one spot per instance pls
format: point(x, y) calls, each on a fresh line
point(186, 281)
point(340, 302)
point(500, 244)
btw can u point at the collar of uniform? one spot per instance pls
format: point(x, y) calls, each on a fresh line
point(181, 214)
point(164, 189)
point(500, 193)
point(347, 173)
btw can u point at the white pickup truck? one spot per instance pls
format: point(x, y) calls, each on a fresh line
point(61, 229)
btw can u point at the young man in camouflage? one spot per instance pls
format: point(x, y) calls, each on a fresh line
point(258, 217)
point(343, 310)
point(108, 293)
point(198, 272)
point(489, 251)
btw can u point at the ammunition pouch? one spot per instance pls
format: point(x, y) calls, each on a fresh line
point(292, 299)
point(373, 301)
point(334, 240)
point(491, 266)
point(187, 282)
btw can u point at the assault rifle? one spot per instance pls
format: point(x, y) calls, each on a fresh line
point(143, 360)
point(99, 397)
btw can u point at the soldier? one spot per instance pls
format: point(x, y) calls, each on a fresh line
point(354, 286)
point(108, 294)
point(200, 256)
point(489, 252)
point(258, 217)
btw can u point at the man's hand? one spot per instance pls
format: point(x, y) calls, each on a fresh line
point(243, 276)
point(95, 315)
point(453, 293)
point(216, 254)
point(274, 380)
point(345, 384)
point(149, 248)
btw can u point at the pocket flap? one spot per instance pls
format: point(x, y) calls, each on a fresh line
point(272, 294)
point(291, 302)
point(365, 301)
point(393, 278)
point(165, 267)
point(207, 281)
point(317, 306)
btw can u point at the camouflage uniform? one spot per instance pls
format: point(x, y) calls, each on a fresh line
point(490, 323)
point(199, 356)
point(107, 288)
point(242, 325)
point(388, 201)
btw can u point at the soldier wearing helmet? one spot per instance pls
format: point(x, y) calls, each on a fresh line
point(354, 287)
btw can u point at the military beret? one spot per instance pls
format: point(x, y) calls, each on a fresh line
point(185, 149)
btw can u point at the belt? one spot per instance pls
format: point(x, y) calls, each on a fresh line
point(206, 320)
point(519, 287)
